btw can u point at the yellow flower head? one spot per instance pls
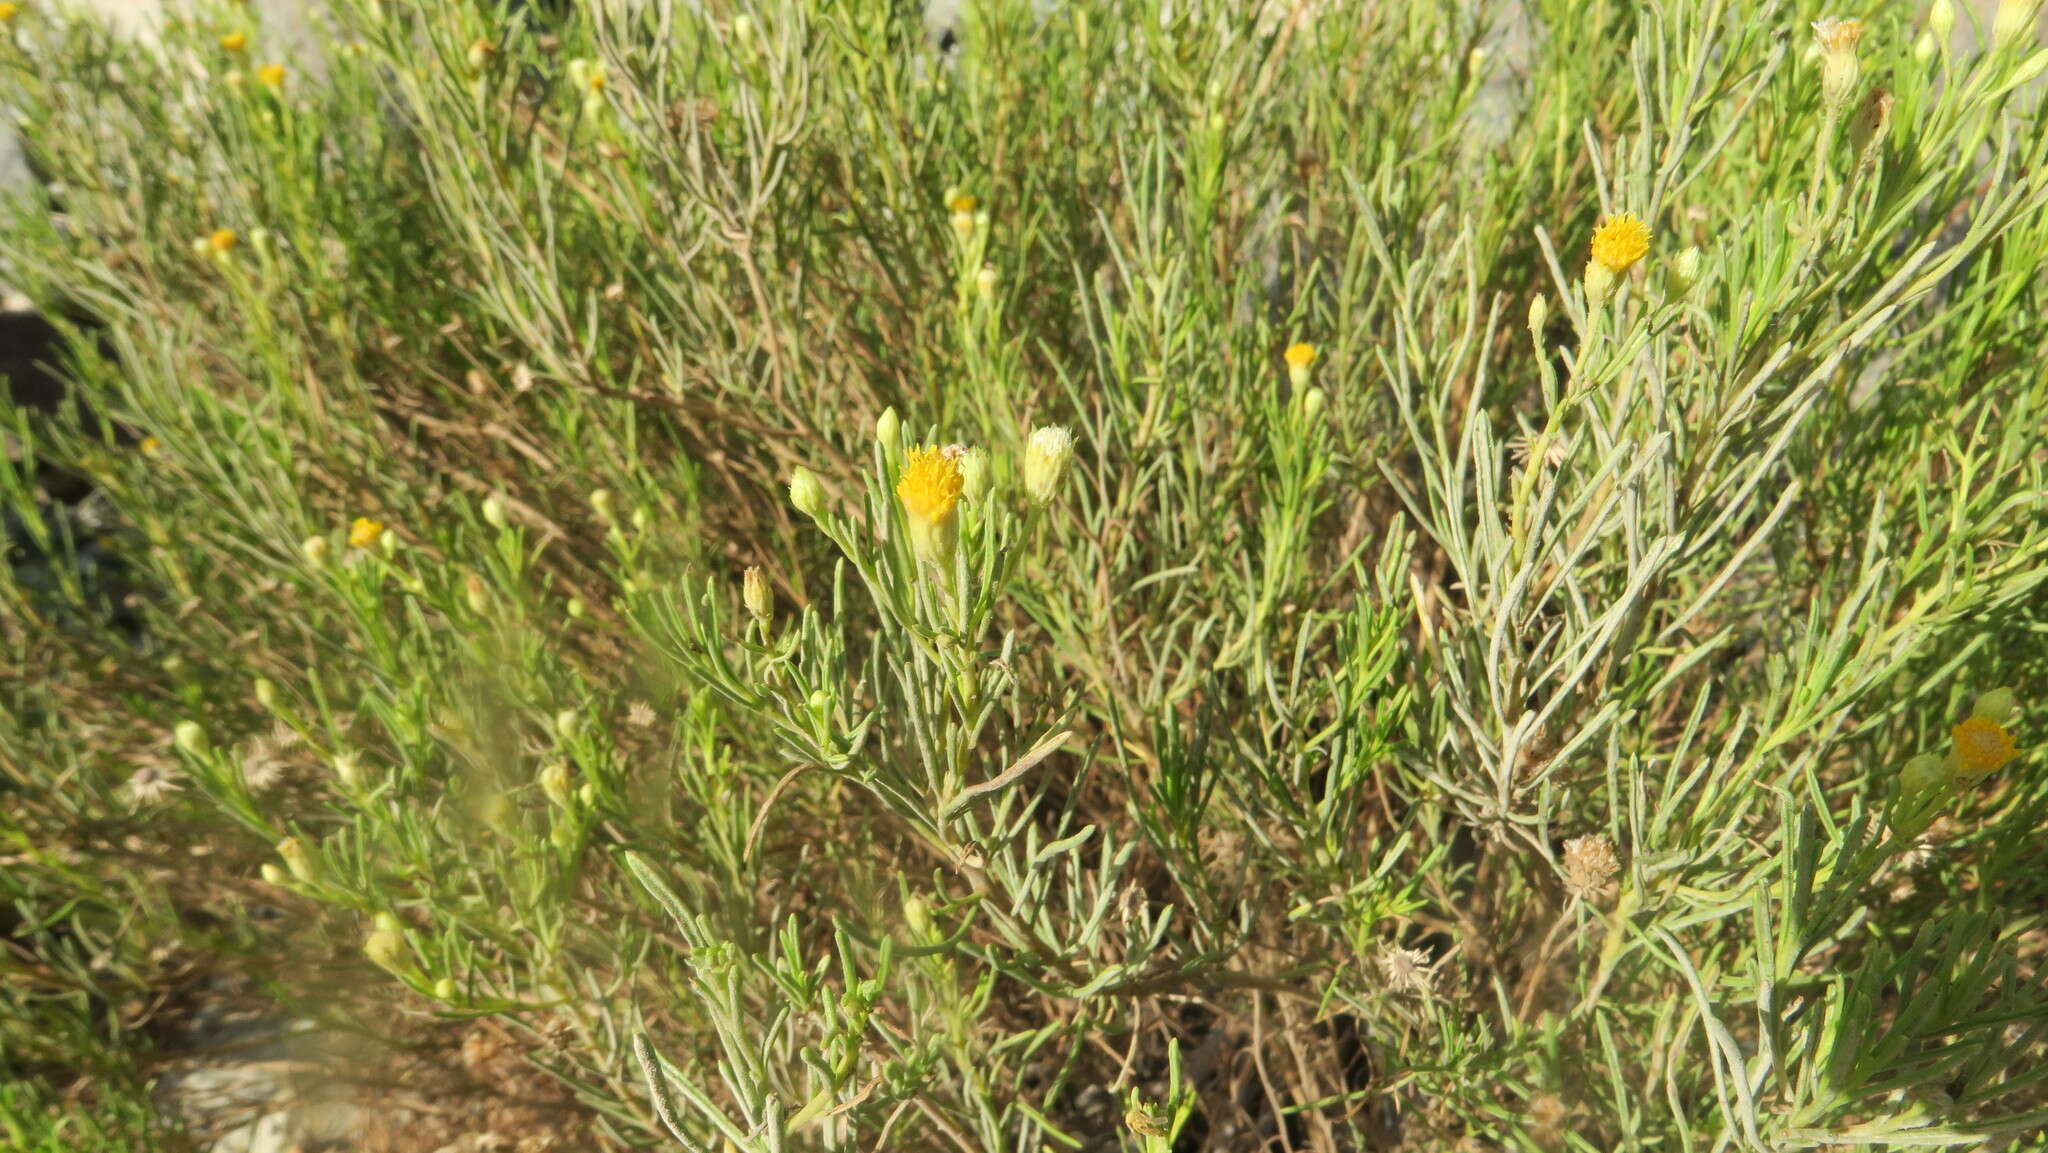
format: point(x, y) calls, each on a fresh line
point(235, 42)
point(962, 203)
point(1300, 355)
point(271, 75)
point(365, 533)
point(8, 12)
point(1620, 241)
point(150, 446)
point(930, 485)
point(1982, 746)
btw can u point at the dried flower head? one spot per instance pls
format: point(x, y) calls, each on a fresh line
point(1837, 35)
point(1407, 970)
point(152, 783)
point(1589, 866)
point(265, 762)
point(1619, 242)
point(640, 714)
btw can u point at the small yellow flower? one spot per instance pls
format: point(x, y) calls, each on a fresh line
point(235, 42)
point(1620, 241)
point(1300, 355)
point(272, 75)
point(222, 239)
point(150, 446)
point(1982, 747)
point(365, 533)
point(929, 487)
point(8, 12)
point(930, 484)
point(963, 203)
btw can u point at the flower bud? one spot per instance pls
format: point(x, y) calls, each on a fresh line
point(754, 592)
point(266, 693)
point(1995, 706)
point(806, 492)
point(606, 505)
point(348, 769)
point(977, 478)
point(985, 282)
point(575, 608)
point(444, 990)
point(387, 950)
point(2029, 70)
point(388, 922)
point(642, 519)
point(917, 917)
point(1313, 402)
point(587, 794)
point(889, 431)
point(1047, 457)
point(477, 594)
point(1539, 316)
point(479, 54)
point(191, 739)
point(272, 875)
point(316, 550)
point(2013, 22)
point(305, 866)
point(568, 724)
point(1924, 47)
point(1685, 269)
point(494, 513)
point(554, 783)
point(1941, 21)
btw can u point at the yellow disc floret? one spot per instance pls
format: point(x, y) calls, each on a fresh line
point(929, 485)
point(1620, 241)
point(1982, 746)
point(1300, 355)
point(365, 532)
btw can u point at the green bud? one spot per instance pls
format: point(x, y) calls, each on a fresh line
point(758, 597)
point(575, 608)
point(444, 990)
point(976, 478)
point(387, 950)
point(316, 550)
point(494, 513)
point(889, 431)
point(554, 783)
point(1685, 269)
point(191, 739)
point(1996, 706)
point(272, 875)
point(806, 492)
point(266, 693)
point(604, 503)
point(568, 724)
point(305, 866)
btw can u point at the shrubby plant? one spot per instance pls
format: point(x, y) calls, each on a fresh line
point(1212, 576)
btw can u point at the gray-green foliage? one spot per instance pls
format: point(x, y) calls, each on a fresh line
point(1487, 734)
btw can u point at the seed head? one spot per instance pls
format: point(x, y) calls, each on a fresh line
point(152, 783)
